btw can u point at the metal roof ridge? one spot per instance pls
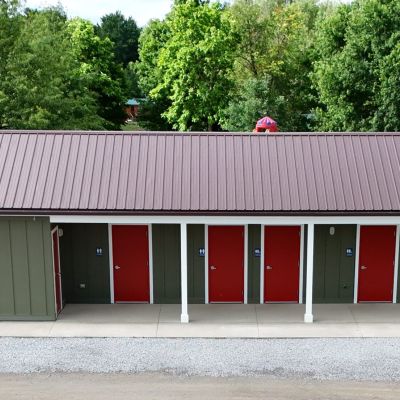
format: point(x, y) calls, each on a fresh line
point(197, 133)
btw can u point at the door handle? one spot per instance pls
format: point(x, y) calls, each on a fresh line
point(363, 267)
point(117, 267)
point(268, 267)
point(212, 267)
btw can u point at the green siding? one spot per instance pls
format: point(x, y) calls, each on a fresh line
point(254, 242)
point(196, 288)
point(26, 269)
point(333, 270)
point(80, 266)
point(166, 264)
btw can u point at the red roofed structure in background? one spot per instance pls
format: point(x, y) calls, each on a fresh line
point(266, 124)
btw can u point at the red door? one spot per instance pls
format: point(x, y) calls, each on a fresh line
point(281, 263)
point(57, 270)
point(131, 263)
point(226, 264)
point(376, 263)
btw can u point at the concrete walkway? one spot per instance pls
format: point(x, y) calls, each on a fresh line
point(215, 321)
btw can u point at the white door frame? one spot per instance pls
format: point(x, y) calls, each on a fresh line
point(301, 263)
point(301, 282)
point(245, 262)
point(150, 257)
point(356, 262)
point(396, 265)
point(55, 230)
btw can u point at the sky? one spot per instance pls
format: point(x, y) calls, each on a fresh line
point(141, 10)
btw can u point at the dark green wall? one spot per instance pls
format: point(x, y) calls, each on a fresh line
point(333, 270)
point(254, 242)
point(196, 266)
point(166, 264)
point(26, 269)
point(81, 266)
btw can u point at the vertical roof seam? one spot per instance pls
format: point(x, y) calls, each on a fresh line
point(330, 176)
point(48, 170)
point(75, 169)
point(20, 172)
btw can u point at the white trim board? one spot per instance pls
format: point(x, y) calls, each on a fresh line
point(206, 283)
point(356, 264)
point(262, 265)
point(110, 254)
point(396, 265)
point(150, 245)
point(54, 230)
point(301, 278)
point(224, 220)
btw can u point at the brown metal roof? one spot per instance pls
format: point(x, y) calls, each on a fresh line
point(123, 173)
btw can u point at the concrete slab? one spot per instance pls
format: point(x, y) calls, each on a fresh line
point(104, 330)
point(215, 320)
point(25, 329)
point(275, 313)
point(379, 330)
point(110, 313)
point(211, 313)
point(376, 312)
point(333, 313)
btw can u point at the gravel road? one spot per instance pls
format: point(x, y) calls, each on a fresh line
point(321, 359)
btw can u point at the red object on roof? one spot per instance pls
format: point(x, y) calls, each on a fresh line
point(197, 173)
point(266, 124)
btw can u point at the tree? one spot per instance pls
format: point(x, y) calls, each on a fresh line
point(39, 88)
point(10, 25)
point(357, 71)
point(272, 64)
point(194, 65)
point(152, 39)
point(124, 33)
point(98, 69)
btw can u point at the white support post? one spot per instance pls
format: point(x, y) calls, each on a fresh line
point(184, 280)
point(308, 316)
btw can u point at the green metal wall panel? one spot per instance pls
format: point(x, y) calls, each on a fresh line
point(333, 269)
point(254, 242)
point(85, 276)
point(196, 266)
point(26, 269)
point(166, 264)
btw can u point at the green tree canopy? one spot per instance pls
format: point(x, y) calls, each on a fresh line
point(124, 33)
point(357, 68)
point(272, 64)
point(40, 88)
point(194, 65)
point(98, 70)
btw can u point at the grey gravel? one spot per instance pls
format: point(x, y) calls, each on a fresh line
point(322, 359)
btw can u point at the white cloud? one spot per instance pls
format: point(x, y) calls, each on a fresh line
point(141, 10)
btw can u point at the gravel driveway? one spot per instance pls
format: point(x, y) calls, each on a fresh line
point(324, 359)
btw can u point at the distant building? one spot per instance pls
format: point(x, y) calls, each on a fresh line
point(132, 108)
